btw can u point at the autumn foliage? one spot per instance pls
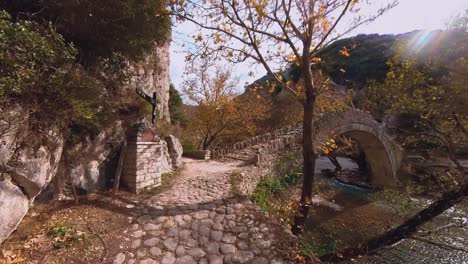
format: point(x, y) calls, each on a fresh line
point(222, 117)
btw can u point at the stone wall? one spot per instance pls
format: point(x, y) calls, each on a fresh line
point(147, 157)
point(198, 154)
point(264, 138)
point(144, 164)
point(383, 154)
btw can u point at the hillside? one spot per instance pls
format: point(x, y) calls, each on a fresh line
point(369, 54)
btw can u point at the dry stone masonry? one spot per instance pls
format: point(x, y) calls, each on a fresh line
point(146, 159)
point(382, 153)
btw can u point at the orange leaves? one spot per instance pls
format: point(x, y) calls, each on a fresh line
point(342, 70)
point(344, 51)
point(271, 90)
point(315, 60)
point(326, 25)
point(217, 37)
point(199, 38)
point(354, 6)
point(291, 57)
point(328, 147)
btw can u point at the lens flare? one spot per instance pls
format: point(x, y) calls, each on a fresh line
point(421, 40)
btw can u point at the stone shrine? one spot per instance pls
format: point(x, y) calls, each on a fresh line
point(146, 159)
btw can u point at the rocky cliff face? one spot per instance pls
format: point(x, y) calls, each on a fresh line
point(26, 170)
point(152, 75)
point(26, 166)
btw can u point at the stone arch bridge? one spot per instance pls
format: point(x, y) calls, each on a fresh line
point(382, 154)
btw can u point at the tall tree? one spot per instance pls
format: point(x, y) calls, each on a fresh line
point(223, 115)
point(176, 107)
point(274, 33)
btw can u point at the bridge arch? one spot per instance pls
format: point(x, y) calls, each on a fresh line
point(381, 152)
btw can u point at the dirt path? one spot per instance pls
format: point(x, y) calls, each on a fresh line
point(197, 221)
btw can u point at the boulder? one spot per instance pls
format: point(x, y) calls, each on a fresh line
point(33, 169)
point(165, 159)
point(175, 151)
point(12, 121)
point(13, 207)
point(92, 163)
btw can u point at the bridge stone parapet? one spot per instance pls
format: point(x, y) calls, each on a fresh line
point(260, 139)
point(382, 154)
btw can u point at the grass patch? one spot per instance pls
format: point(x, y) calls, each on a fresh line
point(64, 236)
point(271, 196)
point(400, 201)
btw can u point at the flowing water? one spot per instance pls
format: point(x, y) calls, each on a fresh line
point(345, 215)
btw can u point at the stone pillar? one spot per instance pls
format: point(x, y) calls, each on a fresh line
point(146, 159)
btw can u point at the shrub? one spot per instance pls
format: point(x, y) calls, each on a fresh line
point(39, 73)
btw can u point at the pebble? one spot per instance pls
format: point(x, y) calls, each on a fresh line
point(135, 243)
point(180, 250)
point(228, 238)
point(216, 235)
point(199, 225)
point(151, 242)
point(150, 261)
point(215, 259)
point(168, 258)
point(155, 251)
point(197, 253)
point(170, 244)
point(186, 260)
point(227, 249)
point(119, 259)
point(243, 256)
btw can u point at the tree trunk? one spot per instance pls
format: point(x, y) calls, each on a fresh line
point(308, 168)
point(404, 230)
point(335, 162)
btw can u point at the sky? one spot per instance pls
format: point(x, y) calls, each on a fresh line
point(407, 16)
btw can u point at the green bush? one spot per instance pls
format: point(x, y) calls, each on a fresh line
point(32, 59)
point(38, 72)
point(187, 145)
point(175, 108)
point(271, 187)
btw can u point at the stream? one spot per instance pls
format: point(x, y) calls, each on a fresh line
point(345, 215)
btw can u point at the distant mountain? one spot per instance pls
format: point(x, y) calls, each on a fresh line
point(369, 54)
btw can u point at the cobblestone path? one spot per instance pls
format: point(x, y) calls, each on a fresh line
point(198, 221)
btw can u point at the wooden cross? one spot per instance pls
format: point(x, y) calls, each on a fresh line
point(151, 100)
